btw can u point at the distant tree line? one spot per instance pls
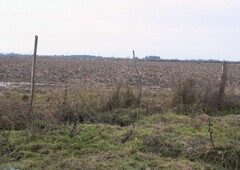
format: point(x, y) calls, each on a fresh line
point(14, 55)
point(152, 58)
point(52, 56)
point(77, 56)
point(147, 58)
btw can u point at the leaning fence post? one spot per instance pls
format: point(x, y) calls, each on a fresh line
point(32, 85)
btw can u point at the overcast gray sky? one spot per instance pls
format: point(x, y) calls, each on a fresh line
point(183, 29)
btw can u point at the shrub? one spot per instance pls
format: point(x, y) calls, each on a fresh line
point(185, 96)
point(121, 98)
point(80, 106)
point(185, 92)
point(209, 98)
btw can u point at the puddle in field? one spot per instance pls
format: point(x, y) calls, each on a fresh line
point(16, 84)
point(10, 85)
point(13, 84)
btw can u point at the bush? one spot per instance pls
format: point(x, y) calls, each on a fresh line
point(77, 106)
point(121, 98)
point(210, 103)
point(185, 92)
point(185, 96)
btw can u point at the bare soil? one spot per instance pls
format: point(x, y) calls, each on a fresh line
point(109, 72)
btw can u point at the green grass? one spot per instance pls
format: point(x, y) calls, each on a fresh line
point(160, 141)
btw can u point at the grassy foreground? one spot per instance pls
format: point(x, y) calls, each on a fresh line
point(159, 141)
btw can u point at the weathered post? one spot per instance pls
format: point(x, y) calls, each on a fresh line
point(139, 87)
point(222, 83)
point(32, 85)
point(139, 80)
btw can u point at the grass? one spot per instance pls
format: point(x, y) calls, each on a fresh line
point(160, 141)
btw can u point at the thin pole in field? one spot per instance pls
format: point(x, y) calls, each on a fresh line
point(32, 84)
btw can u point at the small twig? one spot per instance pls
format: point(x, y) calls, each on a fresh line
point(210, 131)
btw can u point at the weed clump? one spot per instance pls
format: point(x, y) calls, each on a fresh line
point(190, 98)
point(223, 158)
point(121, 98)
point(185, 96)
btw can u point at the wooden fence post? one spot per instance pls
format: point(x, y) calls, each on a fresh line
point(139, 88)
point(32, 85)
point(139, 80)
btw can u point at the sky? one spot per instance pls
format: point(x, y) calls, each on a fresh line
point(171, 29)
